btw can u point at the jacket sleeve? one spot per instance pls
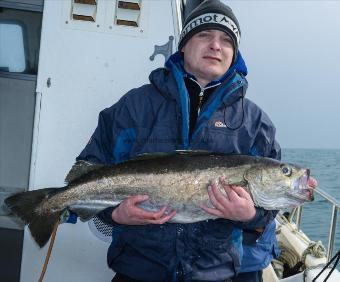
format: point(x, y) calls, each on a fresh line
point(261, 219)
point(106, 217)
point(97, 149)
point(265, 144)
point(114, 136)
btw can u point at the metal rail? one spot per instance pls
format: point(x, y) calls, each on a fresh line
point(335, 208)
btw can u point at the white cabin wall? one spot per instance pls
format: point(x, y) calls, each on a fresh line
point(90, 68)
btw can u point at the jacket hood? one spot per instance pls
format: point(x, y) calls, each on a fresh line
point(239, 65)
point(173, 73)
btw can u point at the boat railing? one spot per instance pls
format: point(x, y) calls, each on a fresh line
point(297, 212)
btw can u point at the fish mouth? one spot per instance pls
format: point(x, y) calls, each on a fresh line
point(301, 188)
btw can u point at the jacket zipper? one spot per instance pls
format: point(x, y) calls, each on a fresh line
point(200, 97)
point(232, 90)
point(201, 94)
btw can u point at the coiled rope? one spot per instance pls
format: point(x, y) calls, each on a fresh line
point(315, 249)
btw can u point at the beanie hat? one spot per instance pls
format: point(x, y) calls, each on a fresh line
point(211, 14)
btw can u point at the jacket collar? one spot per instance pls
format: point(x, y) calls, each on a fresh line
point(177, 60)
point(170, 80)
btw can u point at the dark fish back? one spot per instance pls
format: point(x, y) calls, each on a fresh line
point(170, 163)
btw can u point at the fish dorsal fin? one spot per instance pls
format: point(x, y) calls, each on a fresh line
point(194, 152)
point(153, 155)
point(79, 169)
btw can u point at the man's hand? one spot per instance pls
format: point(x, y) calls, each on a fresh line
point(130, 214)
point(236, 204)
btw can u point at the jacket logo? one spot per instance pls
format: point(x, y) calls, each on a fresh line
point(219, 124)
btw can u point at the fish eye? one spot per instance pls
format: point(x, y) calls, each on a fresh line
point(287, 171)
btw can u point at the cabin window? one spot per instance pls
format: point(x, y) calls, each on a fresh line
point(84, 10)
point(19, 41)
point(128, 13)
point(12, 50)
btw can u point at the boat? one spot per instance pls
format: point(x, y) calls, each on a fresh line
point(301, 259)
point(62, 62)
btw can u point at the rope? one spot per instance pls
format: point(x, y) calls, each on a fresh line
point(289, 263)
point(315, 249)
point(278, 268)
point(49, 251)
point(288, 255)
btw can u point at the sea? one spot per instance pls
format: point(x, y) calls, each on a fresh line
point(325, 167)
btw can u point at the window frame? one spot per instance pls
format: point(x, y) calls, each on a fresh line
point(25, 5)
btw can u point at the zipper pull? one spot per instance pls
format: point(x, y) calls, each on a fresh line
point(200, 100)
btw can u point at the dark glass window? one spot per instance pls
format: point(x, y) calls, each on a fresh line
point(12, 50)
point(19, 40)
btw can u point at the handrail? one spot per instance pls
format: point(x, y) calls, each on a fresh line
point(328, 197)
point(335, 207)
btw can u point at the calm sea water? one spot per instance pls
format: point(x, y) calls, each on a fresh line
point(325, 167)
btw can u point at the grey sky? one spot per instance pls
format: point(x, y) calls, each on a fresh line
point(292, 50)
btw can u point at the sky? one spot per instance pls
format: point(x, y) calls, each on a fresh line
point(292, 51)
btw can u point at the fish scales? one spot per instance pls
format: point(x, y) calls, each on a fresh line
point(178, 181)
point(165, 187)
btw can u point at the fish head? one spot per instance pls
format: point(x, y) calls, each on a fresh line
point(278, 185)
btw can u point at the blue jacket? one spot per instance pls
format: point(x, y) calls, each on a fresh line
point(155, 118)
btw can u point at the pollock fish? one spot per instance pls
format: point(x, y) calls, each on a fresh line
point(178, 181)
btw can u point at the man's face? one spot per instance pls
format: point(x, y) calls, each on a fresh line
point(208, 55)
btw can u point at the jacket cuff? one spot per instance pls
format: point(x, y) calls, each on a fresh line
point(261, 219)
point(106, 216)
point(72, 218)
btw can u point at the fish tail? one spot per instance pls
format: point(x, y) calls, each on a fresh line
point(26, 206)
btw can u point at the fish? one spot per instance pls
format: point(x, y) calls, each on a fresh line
point(178, 181)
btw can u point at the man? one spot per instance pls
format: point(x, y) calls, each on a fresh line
point(196, 102)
